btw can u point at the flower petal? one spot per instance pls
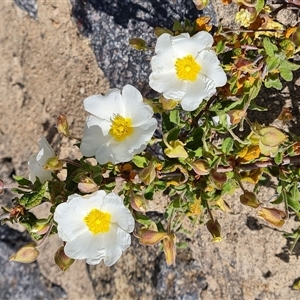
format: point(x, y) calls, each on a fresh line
point(120, 214)
point(64, 218)
point(135, 108)
point(37, 161)
point(104, 107)
point(196, 92)
point(104, 154)
point(115, 237)
point(46, 151)
point(85, 246)
point(168, 84)
point(210, 67)
point(185, 45)
point(93, 137)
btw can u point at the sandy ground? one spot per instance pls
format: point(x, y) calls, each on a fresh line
point(47, 68)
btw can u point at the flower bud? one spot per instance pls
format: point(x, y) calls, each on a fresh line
point(218, 179)
point(168, 104)
point(150, 237)
point(62, 260)
point(214, 228)
point(87, 185)
point(138, 44)
point(138, 203)
point(271, 136)
point(236, 116)
point(40, 227)
point(169, 243)
point(148, 174)
point(249, 199)
point(295, 37)
point(53, 164)
point(158, 31)
point(27, 254)
point(176, 150)
point(272, 215)
point(200, 167)
point(62, 125)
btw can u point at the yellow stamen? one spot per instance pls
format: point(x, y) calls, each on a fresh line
point(98, 221)
point(121, 128)
point(187, 68)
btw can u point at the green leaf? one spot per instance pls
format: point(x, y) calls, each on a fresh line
point(272, 63)
point(160, 185)
point(286, 74)
point(149, 192)
point(278, 200)
point(275, 83)
point(35, 198)
point(175, 117)
point(172, 135)
point(259, 5)
point(255, 89)
point(289, 65)
point(142, 219)
point(293, 198)
point(220, 47)
point(227, 145)
point(158, 31)
point(177, 26)
point(278, 158)
point(254, 106)
point(21, 180)
point(140, 161)
point(196, 142)
point(269, 47)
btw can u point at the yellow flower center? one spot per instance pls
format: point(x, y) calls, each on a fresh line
point(187, 68)
point(121, 128)
point(98, 221)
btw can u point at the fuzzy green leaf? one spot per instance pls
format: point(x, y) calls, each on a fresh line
point(293, 198)
point(269, 47)
point(227, 145)
point(139, 161)
point(175, 117)
point(35, 198)
point(272, 63)
point(286, 74)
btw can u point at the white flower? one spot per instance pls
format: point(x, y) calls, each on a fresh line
point(96, 227)
point(37, 161)
point(216, 120)
point(120, 125)
point(186, 69)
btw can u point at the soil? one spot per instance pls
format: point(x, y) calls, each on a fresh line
point(47, 68)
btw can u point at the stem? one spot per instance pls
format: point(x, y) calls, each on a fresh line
point(71, 162)
point(294, 160)
point(209, 210)
point(74, 137)
point(235, 137)
point(237, 177)
point(249, 30)
point(208, 104)
point(45, 236)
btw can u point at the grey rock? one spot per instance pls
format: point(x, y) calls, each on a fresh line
point(22, 281)
point(30, 6)
point(110, 24)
